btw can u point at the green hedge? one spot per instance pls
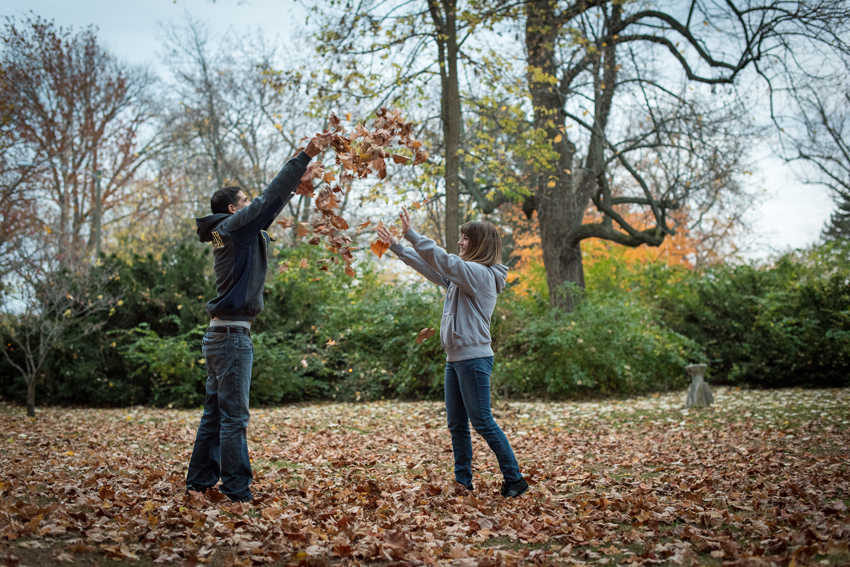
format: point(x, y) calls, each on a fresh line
point(785, 324)
point(782, 324)
point(611, 344)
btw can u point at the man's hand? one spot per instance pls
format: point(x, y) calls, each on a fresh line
point(319, 142)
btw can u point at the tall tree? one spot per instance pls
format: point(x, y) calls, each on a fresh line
point(78, 114)
point(401, 52)
point(591, 62)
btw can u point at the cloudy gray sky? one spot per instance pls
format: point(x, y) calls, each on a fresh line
point(790, 215)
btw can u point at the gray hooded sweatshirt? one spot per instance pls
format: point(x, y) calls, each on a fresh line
point(470, 297)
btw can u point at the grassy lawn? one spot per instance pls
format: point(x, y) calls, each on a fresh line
point(759, 479)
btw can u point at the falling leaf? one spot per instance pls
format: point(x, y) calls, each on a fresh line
point(333, 121)
point(551, 184)
point(557, 139)
point(304, 362)
point(401, 160)
point(425, 334)
point(303, 228)
point(420, 157)
point(282, 267)
point(379, 247)
point(417, 204)
point(365, 224)
point(286, 222)
point(349, 271)
point(304, 263)
point(331, 342)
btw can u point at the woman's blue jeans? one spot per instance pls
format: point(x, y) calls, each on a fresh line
point(221, 446)
point(468, 399)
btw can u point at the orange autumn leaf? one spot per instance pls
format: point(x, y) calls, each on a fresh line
point(304, 263)
point(401, 160)
point(379, 247)
point(417, 204)
point(286, 222)
point(282, 267)
point(365, 224)
point(425, 334)
point(349, 271)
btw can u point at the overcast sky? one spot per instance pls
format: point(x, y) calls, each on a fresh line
point(791, 215)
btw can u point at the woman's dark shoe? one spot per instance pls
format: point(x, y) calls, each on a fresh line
point(514, 489)
point(469, 487)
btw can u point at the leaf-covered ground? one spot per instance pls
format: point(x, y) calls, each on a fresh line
point(762, 478)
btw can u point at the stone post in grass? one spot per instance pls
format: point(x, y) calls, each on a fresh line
point(699, 393)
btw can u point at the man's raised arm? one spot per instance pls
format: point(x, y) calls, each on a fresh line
point(262, 211)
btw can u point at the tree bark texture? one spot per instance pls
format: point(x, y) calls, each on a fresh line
point(445, 24)
point(560, 198)
point(31, 398)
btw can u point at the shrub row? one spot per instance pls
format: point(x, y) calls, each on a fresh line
point(785, 324)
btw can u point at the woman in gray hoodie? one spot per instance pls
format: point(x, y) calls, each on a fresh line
point(472, 281)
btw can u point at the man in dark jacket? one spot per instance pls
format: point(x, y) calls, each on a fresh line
point(237, 230)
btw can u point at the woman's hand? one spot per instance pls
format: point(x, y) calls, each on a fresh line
point(385, 236)
point(405, 221)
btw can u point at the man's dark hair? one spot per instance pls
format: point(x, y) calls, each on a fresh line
point(223, 198)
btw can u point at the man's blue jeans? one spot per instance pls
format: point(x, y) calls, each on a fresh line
point(221, 446)
point(468, 399)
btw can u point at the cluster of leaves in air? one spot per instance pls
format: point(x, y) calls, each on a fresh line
point(757, 480)
point(359, 155)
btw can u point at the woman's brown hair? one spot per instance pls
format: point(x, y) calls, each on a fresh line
point(485, 244)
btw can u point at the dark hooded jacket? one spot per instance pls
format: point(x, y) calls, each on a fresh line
point(241, 244)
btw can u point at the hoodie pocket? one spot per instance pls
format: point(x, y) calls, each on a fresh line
point(448, 337)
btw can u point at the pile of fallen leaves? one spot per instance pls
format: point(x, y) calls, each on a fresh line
point(760, 479)
point(360, 154)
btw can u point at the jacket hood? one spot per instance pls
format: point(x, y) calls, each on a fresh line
point(501, 272)
point(208, 223)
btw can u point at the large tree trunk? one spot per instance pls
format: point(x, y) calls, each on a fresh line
point(31, 397)
point(445, 25)
point(451, 130)
point(560, 201)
